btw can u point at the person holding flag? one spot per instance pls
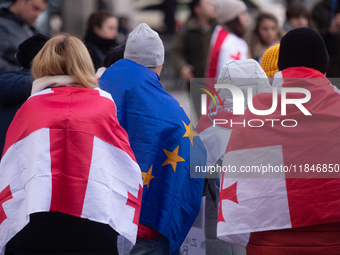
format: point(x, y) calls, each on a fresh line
point(163, 140)
point(284, 195)
point(69, 181)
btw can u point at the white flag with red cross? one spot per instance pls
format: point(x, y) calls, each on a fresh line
point(63, 154)
point(284, 175)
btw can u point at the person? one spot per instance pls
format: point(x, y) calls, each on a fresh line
point(227, 44)
point(265, 34)
point(216, 137)
point(74, 183)
point(269, 61)
point(161, 137)
point(326, 18)
point(15, 86)
point(101, 33)
point(190, 47)
point(297, 15)
point(283, 213)
point(16, 25)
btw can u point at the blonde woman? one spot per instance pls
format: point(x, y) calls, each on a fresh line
point(68, 171)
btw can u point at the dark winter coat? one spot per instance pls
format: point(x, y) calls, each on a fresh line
point(191, 47)
point(98, 48)
point(321, 16)
point(15, 88)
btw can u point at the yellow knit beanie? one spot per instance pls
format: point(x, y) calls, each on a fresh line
point(269, 60)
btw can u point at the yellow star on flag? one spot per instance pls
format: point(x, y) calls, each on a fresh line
point(173, 158)
point(147, 177)
point(190, 132)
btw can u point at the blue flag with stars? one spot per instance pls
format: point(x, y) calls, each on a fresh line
point(161, 137)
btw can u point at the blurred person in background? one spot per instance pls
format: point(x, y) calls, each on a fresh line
point(16, 25)
point(15, 86)
point(227, 43)
point(297, 15)
point(100, 38)
point(123, 29)
point(326, 18)
point(190, 47)
point(265, 34)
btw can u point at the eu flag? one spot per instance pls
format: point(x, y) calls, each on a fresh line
point(161, 137)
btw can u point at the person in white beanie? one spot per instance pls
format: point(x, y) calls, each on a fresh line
point(156, 125)
point(226, 43)
point(242, 74)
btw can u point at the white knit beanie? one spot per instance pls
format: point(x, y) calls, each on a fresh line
point(144, 47)
point(228, 10)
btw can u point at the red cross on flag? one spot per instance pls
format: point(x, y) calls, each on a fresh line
point(64, 154)
point(293, 172)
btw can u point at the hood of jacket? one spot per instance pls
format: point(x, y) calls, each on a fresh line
point(242, 74)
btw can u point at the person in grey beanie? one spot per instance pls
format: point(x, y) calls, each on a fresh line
point(145, 47)
point(155, 121)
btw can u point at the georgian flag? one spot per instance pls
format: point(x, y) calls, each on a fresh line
point(294, 198)
point(65, 151)
point(224, 48)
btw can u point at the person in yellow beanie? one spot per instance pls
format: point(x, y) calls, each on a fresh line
point(269, 61)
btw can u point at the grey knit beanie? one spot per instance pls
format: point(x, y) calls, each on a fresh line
point(144, 47)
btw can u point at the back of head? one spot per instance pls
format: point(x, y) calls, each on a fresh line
point(303, 47)
point(145, 47)
point(269, 60)
point(29, 48)
point(114, 55)
point(65, 55)
point(228, 13)
point(243, 74)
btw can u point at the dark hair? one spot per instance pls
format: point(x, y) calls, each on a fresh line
point(114, 55)
point(97, 19)
point(297, 9)
point(236, 27)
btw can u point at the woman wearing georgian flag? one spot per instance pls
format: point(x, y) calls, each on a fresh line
point(226, 43)
point(69, 181)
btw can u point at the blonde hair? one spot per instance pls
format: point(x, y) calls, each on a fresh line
point(65, 54)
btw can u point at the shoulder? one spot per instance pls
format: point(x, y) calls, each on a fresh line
point(233, 41)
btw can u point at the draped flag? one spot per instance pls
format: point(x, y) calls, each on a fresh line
point(304, 157)
point(215, 136)
point(63, 154)
point(161, 137)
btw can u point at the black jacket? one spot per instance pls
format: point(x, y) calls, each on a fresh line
point(98, 48)
point(15, 88)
